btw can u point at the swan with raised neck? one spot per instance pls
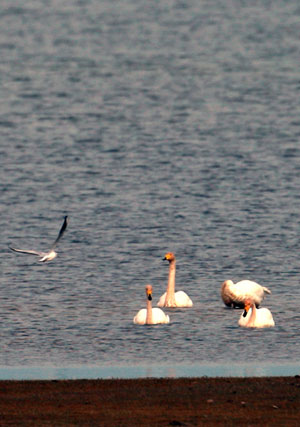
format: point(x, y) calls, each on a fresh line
point(171, 298)
point(149, 315)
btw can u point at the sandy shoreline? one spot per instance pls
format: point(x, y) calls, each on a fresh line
point(267, 401)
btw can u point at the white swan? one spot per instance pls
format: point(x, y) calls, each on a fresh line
point(234, 295)
point(149, 315)
point(253, 317)
point(172, 298)
point(51, 254)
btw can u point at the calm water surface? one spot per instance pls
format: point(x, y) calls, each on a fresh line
point(156, 127)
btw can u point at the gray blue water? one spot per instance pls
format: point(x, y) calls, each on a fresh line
point(156, 126)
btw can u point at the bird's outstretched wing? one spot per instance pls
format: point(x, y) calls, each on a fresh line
point(61, 232)
point(26, 251)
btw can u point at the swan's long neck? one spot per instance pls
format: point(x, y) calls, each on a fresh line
point(149, 320)
point(170, 297)
point(252, 317)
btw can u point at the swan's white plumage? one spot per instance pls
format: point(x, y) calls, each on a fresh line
point(253, 317)
point(235, 294)
point(158, 316)
point(172, 298)
point(149, 315)
point(181, 300)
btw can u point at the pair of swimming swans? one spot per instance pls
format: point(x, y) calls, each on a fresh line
point(152, 316)
point(248, 295)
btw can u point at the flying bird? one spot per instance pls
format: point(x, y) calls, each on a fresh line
point(46, 256)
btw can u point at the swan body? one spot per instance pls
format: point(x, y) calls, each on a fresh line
point(172, 298)
point(51, 254)
point(253, 317)
point(149, 315)
point(181, 299)
point(235, 294)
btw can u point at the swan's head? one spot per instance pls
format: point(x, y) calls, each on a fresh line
point(247, 305)
point(149, 292)
point(169, 256)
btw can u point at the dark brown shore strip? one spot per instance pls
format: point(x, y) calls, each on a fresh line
point(272, 401)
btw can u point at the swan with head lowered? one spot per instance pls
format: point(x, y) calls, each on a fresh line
point(172, 298)
point(234, 295)
point(149, 315)
point(51, 254)
point(253, 317)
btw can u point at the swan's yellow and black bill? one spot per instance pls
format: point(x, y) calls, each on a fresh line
point(149, 294)
point(169, 256)
point(246, 309)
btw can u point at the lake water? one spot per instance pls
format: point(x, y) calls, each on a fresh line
point(156, 126)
